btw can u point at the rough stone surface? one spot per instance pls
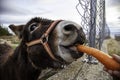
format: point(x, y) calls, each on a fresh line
point(83, 71)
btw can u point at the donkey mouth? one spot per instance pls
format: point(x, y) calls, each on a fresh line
point(72, 50)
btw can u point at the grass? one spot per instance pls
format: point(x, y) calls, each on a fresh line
point(14, 46)
point(113, 47)
point(12, 40)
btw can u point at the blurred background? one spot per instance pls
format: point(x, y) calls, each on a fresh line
point(20, 11)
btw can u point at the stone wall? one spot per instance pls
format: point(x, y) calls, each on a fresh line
point(82, 71)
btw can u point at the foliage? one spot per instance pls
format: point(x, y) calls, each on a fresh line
point(4, 31)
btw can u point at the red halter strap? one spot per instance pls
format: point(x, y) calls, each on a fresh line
point(44, 40)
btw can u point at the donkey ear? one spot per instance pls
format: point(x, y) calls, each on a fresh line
point(17, 29)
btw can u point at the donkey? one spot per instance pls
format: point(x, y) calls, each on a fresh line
point(44, 44)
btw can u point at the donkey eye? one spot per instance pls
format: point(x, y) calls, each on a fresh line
point(32, 27)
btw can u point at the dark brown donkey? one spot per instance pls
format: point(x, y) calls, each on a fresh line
point(44, 43)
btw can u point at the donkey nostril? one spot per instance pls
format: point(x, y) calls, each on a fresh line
point(69, 27)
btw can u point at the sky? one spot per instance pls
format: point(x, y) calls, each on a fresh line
point(113, 15)
point(21, 11)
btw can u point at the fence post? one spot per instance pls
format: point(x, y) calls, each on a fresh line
point(103, 25)
point(92, 25)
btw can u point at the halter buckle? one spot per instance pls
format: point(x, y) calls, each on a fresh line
point(44, 38)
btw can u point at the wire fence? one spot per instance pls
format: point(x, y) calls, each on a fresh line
point(92, 15)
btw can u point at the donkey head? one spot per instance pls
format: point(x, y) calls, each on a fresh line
point(61, 41)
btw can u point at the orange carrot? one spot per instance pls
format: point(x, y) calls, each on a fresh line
point(104, 58)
